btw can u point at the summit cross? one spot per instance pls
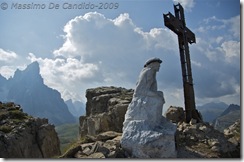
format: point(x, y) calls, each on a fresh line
point(178, 25)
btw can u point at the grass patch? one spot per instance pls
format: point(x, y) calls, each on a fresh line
point(5, 128)
point(16, 114)
point(3, 115)
point(68, 134)
point(70, 147)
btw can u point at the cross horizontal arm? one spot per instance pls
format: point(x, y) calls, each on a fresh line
point(173, 23)
point(177, 27)
point(190, 36)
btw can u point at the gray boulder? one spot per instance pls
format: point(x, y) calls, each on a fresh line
point(105, 110)
point(22, 136)
point(175, 114)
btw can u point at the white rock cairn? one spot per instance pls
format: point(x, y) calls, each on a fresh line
point(146, 133)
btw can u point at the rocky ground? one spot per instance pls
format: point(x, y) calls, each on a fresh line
point(105, 104)
point(199, 140)
point(103, 145)
point(22, 136)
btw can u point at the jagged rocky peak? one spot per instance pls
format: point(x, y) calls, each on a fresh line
point(33, 67)
point(28, 89)
point(22, 136)
point(30, 75)
point(2, 79)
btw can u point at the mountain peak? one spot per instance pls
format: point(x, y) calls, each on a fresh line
point(31, 69)
point(2, 79)
point(29, 76)
point(34, 67)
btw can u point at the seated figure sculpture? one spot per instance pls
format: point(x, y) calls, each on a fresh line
point(146, 94)
point(146, 133)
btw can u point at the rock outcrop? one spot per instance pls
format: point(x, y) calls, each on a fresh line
point(103, 145)
point(105, 110)
point(233, 133)
point(193, 140)
point(22, 136)
point(175, 114)
point(201, 140)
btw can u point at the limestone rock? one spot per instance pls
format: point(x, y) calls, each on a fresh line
point(175, 114)
point(105, 145)
point(233, 133)
point(105, 110)
point(22, 136)
point(201, 140)
point(195, 140)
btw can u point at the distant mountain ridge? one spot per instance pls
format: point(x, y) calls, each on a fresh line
point(28, 89)
point(76, 108)
point(228, 117)
point(212, 110)
point(232, 107)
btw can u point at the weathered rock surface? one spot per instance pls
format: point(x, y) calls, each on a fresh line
point(22, 136)
point(103, 145)
point(105, 110)
point(198, 140)
point(195, 140)
point(201, 140)
point(175, 114)
point(233, 133)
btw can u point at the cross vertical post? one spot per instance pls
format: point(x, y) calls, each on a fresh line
point(178, 25)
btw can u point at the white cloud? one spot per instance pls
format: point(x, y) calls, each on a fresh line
point(186, 4)
point(231, 26)
point(7, 56)
point(218, 46)
point(66, 74)
point(231, 49)
point(219, 39)
point(210, 19)
point(199, 64)
point(234, 24)
point(98, 51)
point(218, 77)
point(113, 45)
point(7, 71)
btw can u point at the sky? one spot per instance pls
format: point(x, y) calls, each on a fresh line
point(87, 44)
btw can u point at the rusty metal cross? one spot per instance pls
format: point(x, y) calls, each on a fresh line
point(178, 25)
